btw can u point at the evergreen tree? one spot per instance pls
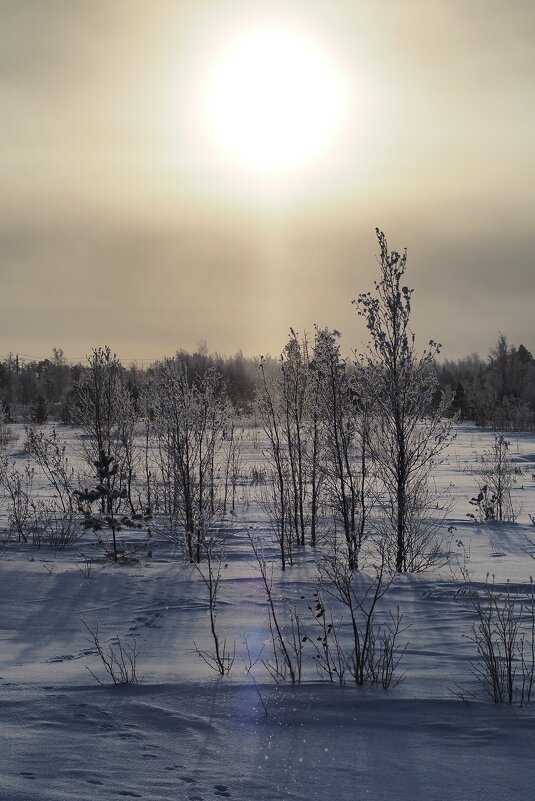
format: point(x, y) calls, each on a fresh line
point(109, 498)
point(40, 411)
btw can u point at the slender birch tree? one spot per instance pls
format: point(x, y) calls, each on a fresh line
point(407, 433)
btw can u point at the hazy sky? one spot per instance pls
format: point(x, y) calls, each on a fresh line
point(173, 171)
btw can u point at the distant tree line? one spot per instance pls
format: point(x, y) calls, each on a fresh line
point(35, 391)
point(498, 392)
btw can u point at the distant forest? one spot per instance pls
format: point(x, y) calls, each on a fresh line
point(497, 392)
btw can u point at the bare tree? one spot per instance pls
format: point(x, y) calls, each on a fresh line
point(104, 410)
point(344, 440)
point(233, 465)
point(221, 658)
point(316, 447)
point(504, 637)
point(286, 646)
point(119, 659)
point(190, 418)
point(26, 513)
point(407, 433)
point(375, 652)
point(49, 452)
point(288, 409)
point(294, 380)
point(275, 499)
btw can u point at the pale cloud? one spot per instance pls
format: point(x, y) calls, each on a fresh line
point(116, 226)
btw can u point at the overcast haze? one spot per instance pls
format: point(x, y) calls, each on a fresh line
point(124, 221)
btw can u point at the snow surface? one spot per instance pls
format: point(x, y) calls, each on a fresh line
point(185, 734)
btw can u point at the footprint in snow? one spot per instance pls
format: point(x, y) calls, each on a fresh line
point(187, 779)
point(222, 790)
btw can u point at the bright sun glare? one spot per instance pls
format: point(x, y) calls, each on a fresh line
point(273, 101)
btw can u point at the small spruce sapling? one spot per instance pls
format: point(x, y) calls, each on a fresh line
point(110, 499)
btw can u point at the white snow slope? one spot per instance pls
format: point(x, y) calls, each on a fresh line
point(185, 734)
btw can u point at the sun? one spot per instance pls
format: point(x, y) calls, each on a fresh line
point(272, 101)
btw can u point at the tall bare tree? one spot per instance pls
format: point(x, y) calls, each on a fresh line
point(190, 419)
point(407, 433)
point(343, 463)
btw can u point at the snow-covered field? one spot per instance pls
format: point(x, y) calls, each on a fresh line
point(185, 734)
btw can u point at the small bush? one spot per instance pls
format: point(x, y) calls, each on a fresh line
point(119, 659)
point(504, 636)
